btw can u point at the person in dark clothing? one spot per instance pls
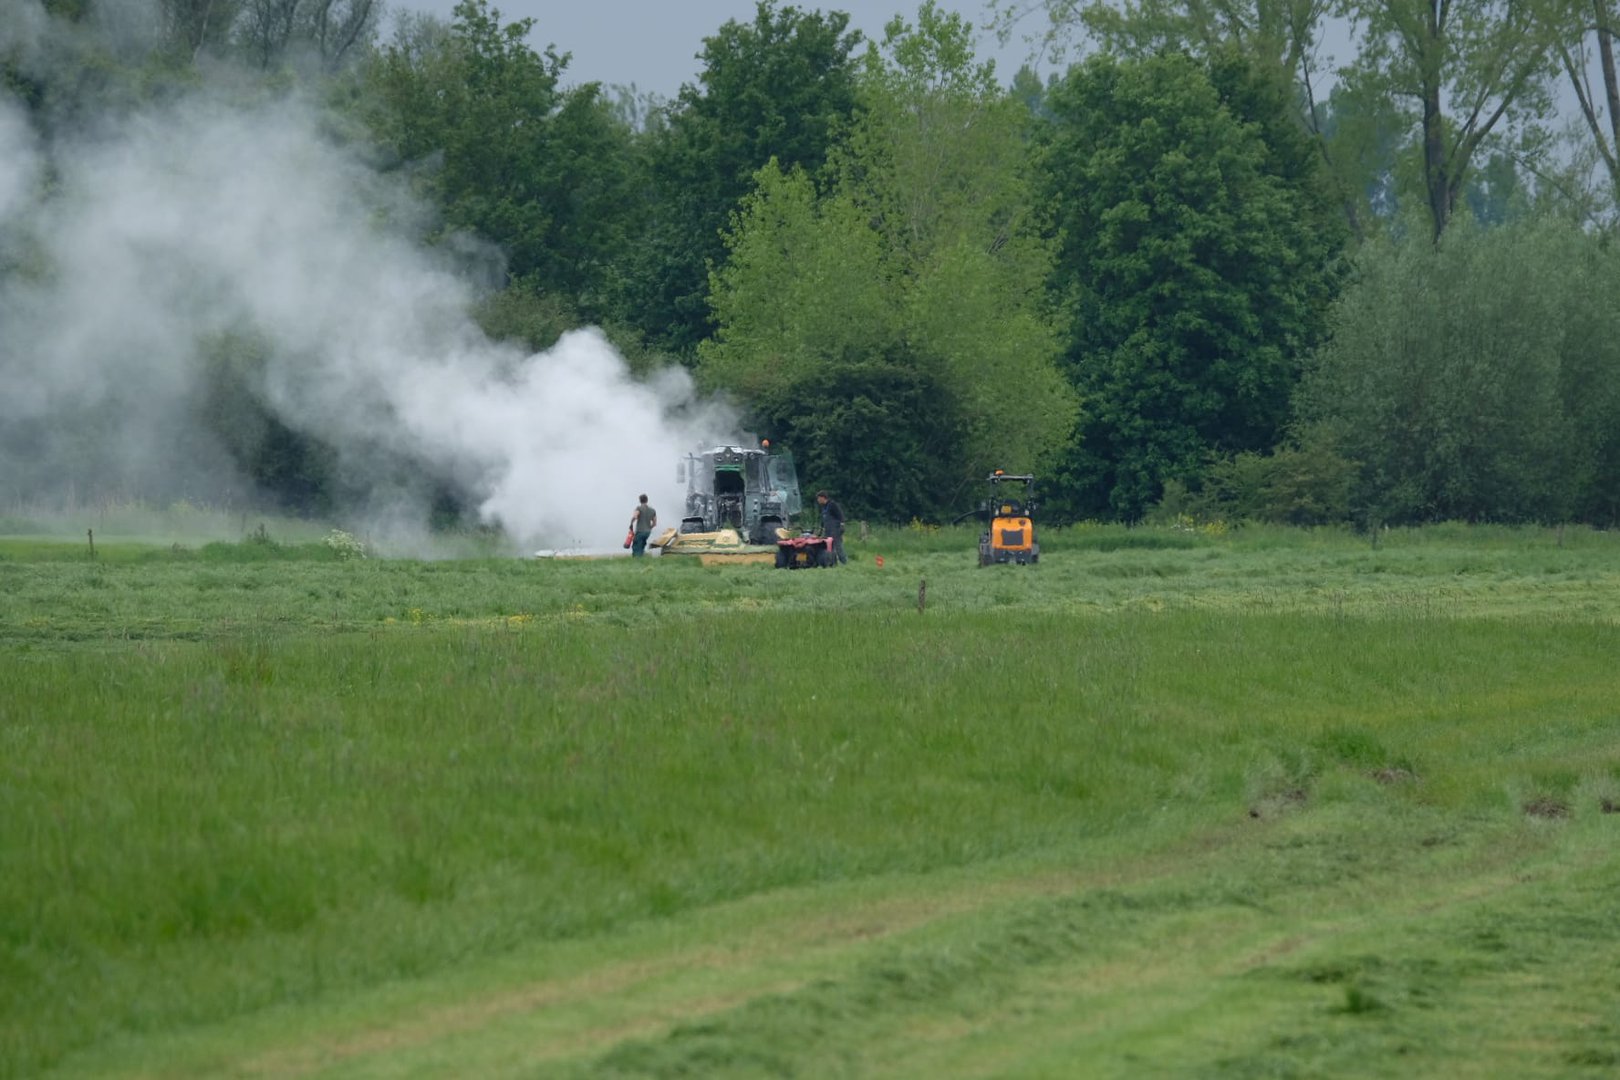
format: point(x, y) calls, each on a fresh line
point(642, 521)
point(832, 524)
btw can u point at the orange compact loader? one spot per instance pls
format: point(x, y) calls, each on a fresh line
point(1010, 535)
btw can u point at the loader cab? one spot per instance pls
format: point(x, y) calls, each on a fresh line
point(1007, 507)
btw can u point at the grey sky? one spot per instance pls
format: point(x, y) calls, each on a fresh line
point(654, 43)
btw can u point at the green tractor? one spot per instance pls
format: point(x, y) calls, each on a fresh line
point(737, 500)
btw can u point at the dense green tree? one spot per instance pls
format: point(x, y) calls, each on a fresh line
point(474, 103)
point(1283, 37)
point(811, 342)
point(918, 260)
point(289, 469)
point(782, 86)
point(506, 152)
point(938, 161)
point(808, 343)
point(1294, 485)
point(877, 428)
point(1462, 76)
point(806, 279)
point(1476, 380)
point(1199, 252)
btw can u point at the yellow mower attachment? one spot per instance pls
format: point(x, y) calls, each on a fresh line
point(719, 546)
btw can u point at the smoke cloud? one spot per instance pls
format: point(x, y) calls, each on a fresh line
point(21, 31)
point(202, 235)
point(19, 164)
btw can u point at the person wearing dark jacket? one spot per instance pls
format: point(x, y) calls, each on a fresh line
point(832, 525)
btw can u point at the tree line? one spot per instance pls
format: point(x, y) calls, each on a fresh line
point(1201, 269)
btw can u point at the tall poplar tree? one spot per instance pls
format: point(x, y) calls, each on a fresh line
point(1464, 72)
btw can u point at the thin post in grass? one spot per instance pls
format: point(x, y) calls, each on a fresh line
point(922, 594)
point(90, 534)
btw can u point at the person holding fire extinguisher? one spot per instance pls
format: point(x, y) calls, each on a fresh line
point(642, 521)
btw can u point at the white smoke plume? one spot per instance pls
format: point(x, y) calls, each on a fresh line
point(21, 30)
point(41, 46)
point(203, 223)
point(19, 164)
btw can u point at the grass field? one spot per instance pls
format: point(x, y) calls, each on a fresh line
point(1260, 803)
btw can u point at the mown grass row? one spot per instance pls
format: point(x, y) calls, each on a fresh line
point(192, 831)
point(1363, 937)
point(53, 594)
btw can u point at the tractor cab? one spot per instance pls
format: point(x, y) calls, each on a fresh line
point(753, 491)
point(1009, 536)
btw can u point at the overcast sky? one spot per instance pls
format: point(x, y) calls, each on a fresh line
point(653, 44)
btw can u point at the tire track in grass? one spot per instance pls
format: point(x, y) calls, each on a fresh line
point(749, 941)
point(756, 962)
point(890, 960)
point(1244, 997)
point(1165, 979)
